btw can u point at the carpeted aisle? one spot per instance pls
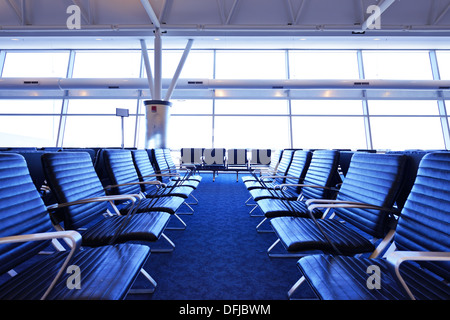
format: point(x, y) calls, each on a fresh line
point(220, 256)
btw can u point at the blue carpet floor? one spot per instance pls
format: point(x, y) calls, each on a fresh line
point(220, 256)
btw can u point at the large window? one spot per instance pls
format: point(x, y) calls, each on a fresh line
point(305, 64)
point(36, 64)
point(328, 124)
point(403, 65)
point(399, 125)
point(107, 64)
point(231, 117)
point(29, 123)
point(250, 64)
point(93, 123)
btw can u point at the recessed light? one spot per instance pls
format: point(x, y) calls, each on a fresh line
point(15, 39)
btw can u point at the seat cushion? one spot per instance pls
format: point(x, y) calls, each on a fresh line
point(107, 273)
point(280, 208)
point(345, 278)
point(140, 227)
point(259, 194)
point(301, 234)
point(164, 204)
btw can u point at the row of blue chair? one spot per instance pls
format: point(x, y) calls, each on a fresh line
point(390, 214)
point(97, 222)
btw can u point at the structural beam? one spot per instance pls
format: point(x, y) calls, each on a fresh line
point(148, 68)
point(151, 13)
point(179, 69)
point(158, 66)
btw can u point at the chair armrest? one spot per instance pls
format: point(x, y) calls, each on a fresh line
point(278, 177)
point(133, 183)
point(131, 197)
point(304, 185)
point(396, 258)
point(73, 236)
point(347, 204)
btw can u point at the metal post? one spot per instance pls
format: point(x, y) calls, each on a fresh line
point(147, 66)
point(179, 69)
point(158, 66)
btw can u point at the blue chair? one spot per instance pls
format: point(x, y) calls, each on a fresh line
point(26, 230)
point(365, 203)
point(84, 206)
point(417, 267)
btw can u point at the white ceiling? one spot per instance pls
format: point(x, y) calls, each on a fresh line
point(223, 23)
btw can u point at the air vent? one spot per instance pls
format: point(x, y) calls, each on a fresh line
point(31, 82)
point(361, 83)
point(195, 82)
point(113, 87)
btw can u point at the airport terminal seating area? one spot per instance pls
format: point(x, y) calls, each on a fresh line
point(359, 224)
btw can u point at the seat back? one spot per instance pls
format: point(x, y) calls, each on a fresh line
point(214, 156)
point(374, 179)
point(262, 157)
point(322, 171)
point(120, 168)
point(285, 161)
point(144, 168)
point(169, 160)
point(237, 157)
point(298, 167)
point(424, 224)
point(191, 155)
point(22, 211)
point(71, 176)
point(159, 161)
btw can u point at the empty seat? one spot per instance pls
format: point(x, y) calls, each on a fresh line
point(83, 204)
point(145, 172)
point(419, 266)
point(124, 180)
point(365, 202)
point(107, 272)
point(294, 177)
point(319, 183)
point(161, 167)
point(173, 168)
point(282, 170)
point(269, 169)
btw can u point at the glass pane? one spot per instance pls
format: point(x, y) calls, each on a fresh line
point(324, 107)
point(97, 106)
point(250, 64)
point(32, 106)
point(29, 131)
point(251, 107)
point(107, 64)
point(328, 132)
point(400, 133)
point(98, 131)
point(199, 64)
point(36, 64)
point(443, 58)
point(251, 132)
point(190, 132)
point(402, 107)
point(323, 65)
point(191, 107)
point(402, 65)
